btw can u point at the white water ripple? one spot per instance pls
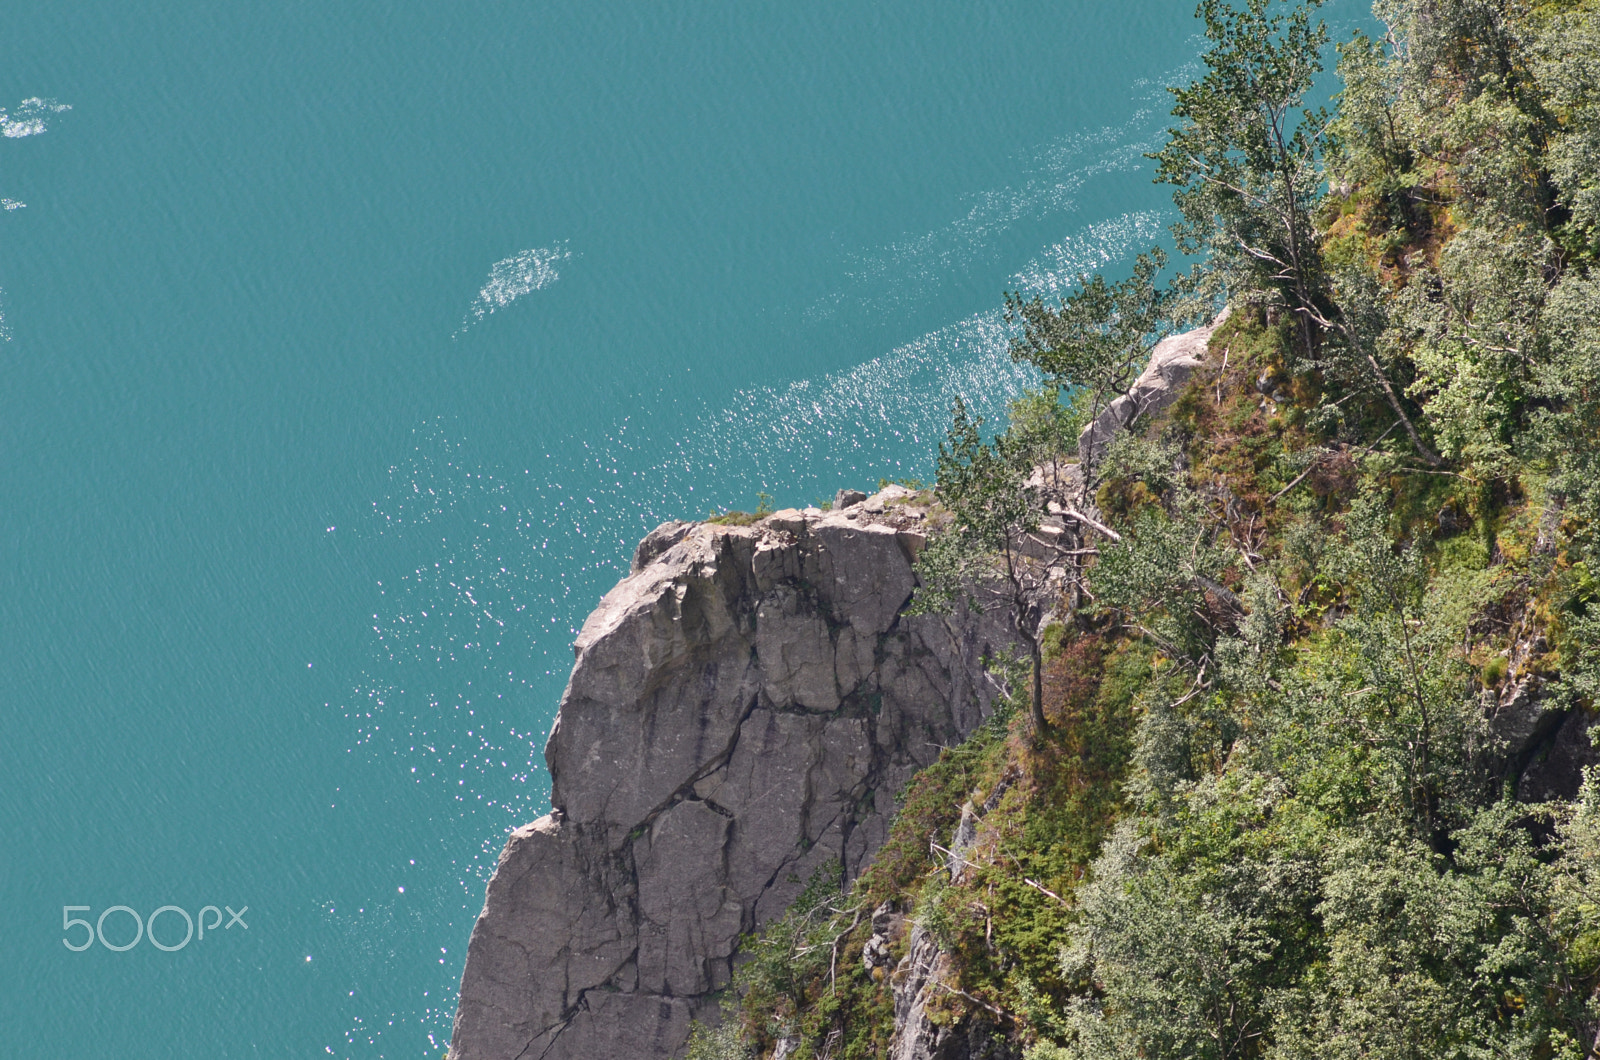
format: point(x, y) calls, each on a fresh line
point(30, 118)
point(1059, 267)
point(1052, 176)
point(513, 277)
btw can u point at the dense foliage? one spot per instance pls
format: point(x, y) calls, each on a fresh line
point(1294, 784)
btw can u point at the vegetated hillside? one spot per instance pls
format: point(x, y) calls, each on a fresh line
point(1304, 773)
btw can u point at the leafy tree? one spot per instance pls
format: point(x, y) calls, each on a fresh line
point(1575, 926)
point(1370, 142)
point(1472, 329)
point(1246, 161)
point(1565, 429)
point(1420, 722)
point(1188, 936)
point(1159, 576)
point(1045, 430)
point(1567, 69)
point(723, 1042)
point(1096, 341)
point(983, 557)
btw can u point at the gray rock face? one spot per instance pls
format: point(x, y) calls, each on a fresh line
point(1555, 769)
point(1542, 742)
point(919, 1034)
point(744, 708)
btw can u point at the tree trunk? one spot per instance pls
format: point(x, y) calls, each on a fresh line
point(1036, 701)
point(1423, 451)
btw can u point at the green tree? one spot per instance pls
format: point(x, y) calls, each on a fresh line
point(1565, 430)
point(1045, 429)
point(1567, 69)
point(1246, 160)
point(1095, 342)
point(1471, 326)
point(983, 557)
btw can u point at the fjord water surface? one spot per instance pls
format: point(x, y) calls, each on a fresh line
point(348, 350)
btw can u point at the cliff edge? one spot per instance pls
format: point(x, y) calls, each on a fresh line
point(743, 710)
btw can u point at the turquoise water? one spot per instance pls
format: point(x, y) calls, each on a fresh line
point(349, 348)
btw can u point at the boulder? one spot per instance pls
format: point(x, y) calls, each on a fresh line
point(845, 498)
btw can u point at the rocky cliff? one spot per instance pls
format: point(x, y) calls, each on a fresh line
point(743, 710)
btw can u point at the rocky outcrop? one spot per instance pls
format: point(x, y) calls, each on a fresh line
point(1539, 738)
point(925, 972)
point(1171, 363)
point(919, 980)
point(743, 710)
point(1553, 767)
